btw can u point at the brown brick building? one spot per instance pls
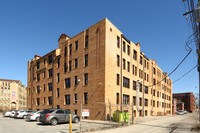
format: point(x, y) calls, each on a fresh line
point(188, 99)
point(97, 66)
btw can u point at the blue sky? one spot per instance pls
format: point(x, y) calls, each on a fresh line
point(29, 27)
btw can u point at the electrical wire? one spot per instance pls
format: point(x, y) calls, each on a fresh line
point(185, 74)
point(173, 70)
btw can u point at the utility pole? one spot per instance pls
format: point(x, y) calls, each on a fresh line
point(143, 75)
point(199, 67)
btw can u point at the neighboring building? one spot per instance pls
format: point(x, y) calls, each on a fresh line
point(180, 105)
point(188, 99)
point(174, 106)
point(13, 95)
point(98, 66)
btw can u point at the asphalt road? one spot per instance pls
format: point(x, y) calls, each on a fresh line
point(156, 124)
point(165, 124)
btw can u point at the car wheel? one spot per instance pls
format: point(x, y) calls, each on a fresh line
point(54, 121)
point(76, 120)
point(37, 119)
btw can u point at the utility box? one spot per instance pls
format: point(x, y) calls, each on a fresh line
point(124, 116)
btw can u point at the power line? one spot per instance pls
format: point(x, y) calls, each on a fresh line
point(173, 70)
point(185, 74)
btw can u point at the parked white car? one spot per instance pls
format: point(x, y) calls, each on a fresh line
point(23, 113)
point(13, 113)
point(7, 114)
point(180, 112)
point(35, 116)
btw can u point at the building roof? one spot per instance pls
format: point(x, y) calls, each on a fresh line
point(8, 80)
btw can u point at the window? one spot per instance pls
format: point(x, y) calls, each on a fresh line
point(70, 49)
point(70, 65)
point(58, 62)
point(140, 101)
point(50, 100)
point(157, 103)
point(44, 74)
point(154, 70)
point(38, 89)
point(125, 82)
point(125, 99)
point(146, 89)
point(44, 61)
point(86, 78)
point(124, 46)
point(154, 92)
point(60, 112)
point(50, 86)
point(65, 67)
point(58, 92)
point(86, 41)
point(50, 73)
point(117, 79)
point(118, 60)
point(134, 100)
point(76, 45)
point(117, 98)
point(154, 82)
point(128, 66)
point(128, 49)
point(76, 80)
point(153, 103)
point(65, 51)
point(86, 98)
point(146, 102)
point(141, 60)
point(67, 99)
point(140, 87)
point(38, 101)
point(86, 60)
point(76, 63)
point(58, 77)
point(75, 111)
point(67, 83)
point(134, 55)
point(124, 64)
point(29, 90)
point(44, 100)
point(38, 65)
point(133, 69)
point(118, 42)
point(157, 93)
point(38, 77)
point(75, 98)
point(147, 65)
point(44, 87)
point(50, 59)
point(134, 85)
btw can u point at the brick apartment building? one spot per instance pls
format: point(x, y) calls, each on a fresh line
point(188, 99)
point(98, 66)
point(13, 95)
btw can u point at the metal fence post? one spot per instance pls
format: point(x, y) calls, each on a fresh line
point(110, 112)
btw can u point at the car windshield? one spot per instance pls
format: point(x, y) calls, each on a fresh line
point(21, 111)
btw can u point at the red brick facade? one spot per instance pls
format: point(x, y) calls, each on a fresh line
point(188, 99)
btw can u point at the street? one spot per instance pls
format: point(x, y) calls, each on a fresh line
point(153, 124)
point(165, 124)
